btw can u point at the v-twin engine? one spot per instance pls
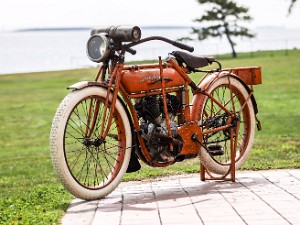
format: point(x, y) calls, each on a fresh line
point(154, 129)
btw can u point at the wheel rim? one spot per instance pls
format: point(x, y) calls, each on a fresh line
point(213, 117)
point(93, 163)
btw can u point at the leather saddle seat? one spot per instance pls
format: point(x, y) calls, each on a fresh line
point(191, 61)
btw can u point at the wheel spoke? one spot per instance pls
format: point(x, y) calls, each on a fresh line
point(93, 166)
point(213, 116)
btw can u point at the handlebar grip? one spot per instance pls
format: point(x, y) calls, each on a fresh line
point(130, 50)
point(183, 46)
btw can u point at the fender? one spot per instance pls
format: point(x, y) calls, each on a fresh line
point(207, 82)
point(134, 164)
point(83, 84)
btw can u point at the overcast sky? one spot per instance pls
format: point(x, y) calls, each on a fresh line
point(21, 14)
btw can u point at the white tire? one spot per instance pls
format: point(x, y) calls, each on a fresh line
point(89, 168)
point(219, 89)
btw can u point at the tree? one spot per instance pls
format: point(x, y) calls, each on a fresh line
point(223, 19)
point(291, 6)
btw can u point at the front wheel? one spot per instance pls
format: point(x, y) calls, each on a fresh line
point(89, 167)
point(232, 95)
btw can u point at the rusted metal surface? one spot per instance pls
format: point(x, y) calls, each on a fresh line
point(186, 132)
point(250, 75)
point(150, 79)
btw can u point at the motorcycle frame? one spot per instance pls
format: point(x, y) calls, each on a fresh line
point(188, 128)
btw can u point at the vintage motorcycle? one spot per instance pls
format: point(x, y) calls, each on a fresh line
point(132, 113)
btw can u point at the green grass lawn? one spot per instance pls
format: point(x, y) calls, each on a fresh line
point(30, 192)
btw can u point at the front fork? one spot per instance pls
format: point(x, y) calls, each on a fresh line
point(109, 108)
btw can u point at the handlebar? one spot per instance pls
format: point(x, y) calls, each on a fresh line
point(159, 38)
point(183, 46)
point(130, 50)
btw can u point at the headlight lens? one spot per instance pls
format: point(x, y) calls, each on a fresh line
point(97, 48)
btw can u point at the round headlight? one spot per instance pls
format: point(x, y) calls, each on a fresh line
point(97, 48)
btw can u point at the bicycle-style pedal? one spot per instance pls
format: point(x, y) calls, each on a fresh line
point(215, 150)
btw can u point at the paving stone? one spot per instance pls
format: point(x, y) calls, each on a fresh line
point(257, 197)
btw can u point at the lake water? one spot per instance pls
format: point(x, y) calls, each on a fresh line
point(59, 50)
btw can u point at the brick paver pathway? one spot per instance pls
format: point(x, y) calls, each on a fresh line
point(260, 197)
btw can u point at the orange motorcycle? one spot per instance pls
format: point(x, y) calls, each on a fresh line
point(133, 113)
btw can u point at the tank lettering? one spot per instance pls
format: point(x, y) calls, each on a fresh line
point(149, 78)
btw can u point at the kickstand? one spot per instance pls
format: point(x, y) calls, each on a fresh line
point(205, 174)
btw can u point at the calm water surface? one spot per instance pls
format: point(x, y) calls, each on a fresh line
point(59, 50)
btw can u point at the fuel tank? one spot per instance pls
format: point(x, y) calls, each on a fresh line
point(144, 80)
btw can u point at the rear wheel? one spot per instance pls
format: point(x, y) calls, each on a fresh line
point(88, 166)
point(232, 94)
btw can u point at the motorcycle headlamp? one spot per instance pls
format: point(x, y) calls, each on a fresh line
point(120, 33)
point(97, 47)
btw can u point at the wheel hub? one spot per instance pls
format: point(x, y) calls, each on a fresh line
point(92, 142)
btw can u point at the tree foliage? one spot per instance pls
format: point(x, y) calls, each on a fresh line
point(291, 6)
point(223, 19)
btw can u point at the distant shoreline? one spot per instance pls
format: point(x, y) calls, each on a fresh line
point(46, 49)
point(89, 28)
point(224, 56)
point(152, 27)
